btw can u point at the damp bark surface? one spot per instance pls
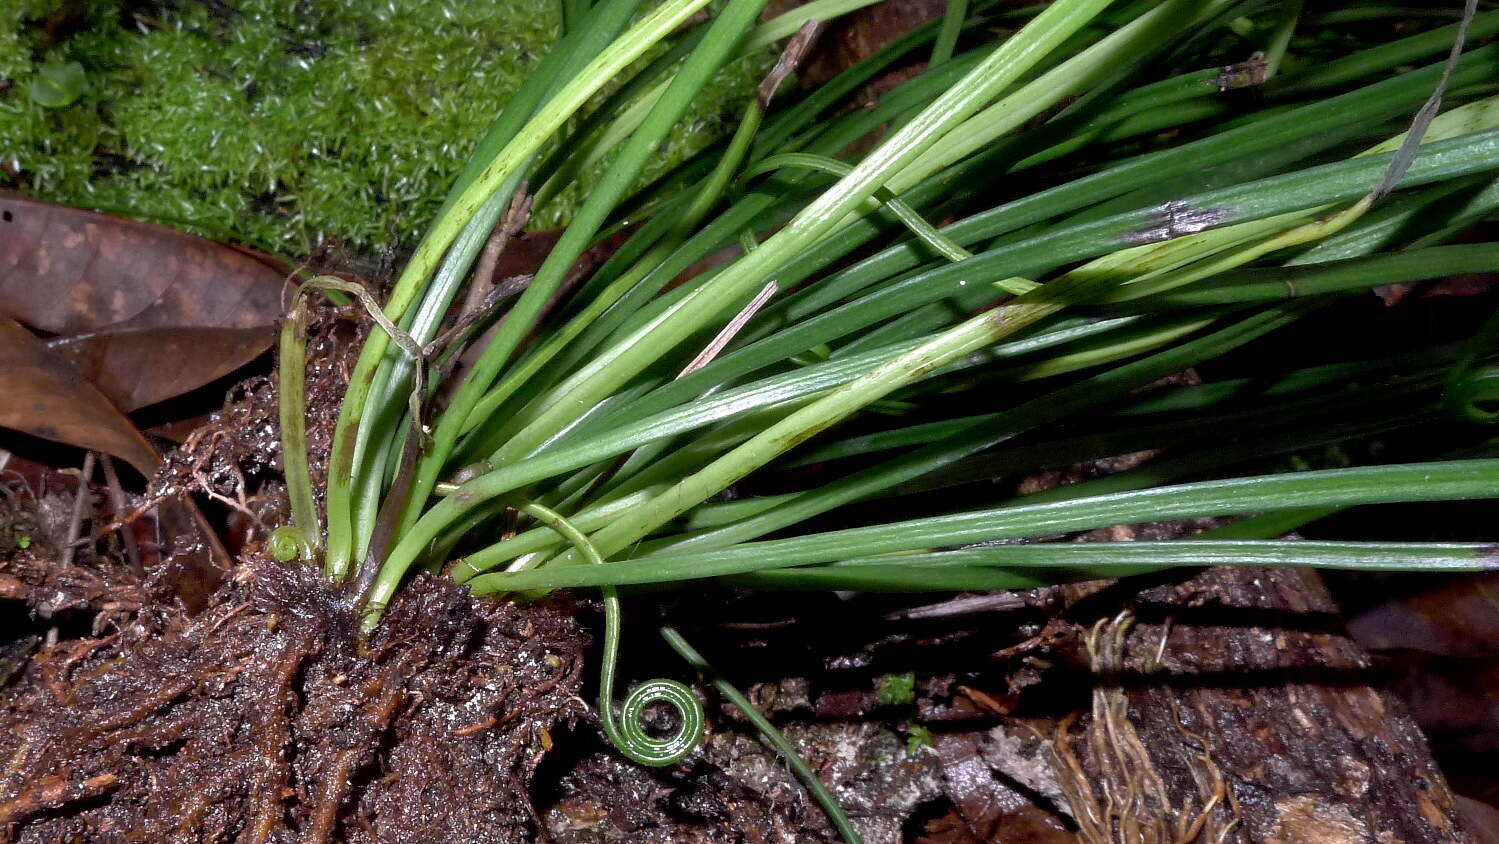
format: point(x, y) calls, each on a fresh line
point(1246, 693)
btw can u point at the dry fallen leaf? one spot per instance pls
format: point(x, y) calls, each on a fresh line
point(142, 366)
point(64, 271)
point(144, 312)
point(46, 397)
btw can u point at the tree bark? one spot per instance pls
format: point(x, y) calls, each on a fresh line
point(1247, 675)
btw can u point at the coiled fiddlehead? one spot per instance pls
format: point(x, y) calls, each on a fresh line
point(628, 733)
point(289, 542)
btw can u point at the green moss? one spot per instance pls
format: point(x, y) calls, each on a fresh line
point(897, 689)
point(917, 738)
point(278, 123)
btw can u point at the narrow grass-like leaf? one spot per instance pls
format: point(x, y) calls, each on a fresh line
point(527, 140)
point(723, 34)
point(1454, 480)
point(617, 365)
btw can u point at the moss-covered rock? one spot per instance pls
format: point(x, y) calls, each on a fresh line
point(278, 123)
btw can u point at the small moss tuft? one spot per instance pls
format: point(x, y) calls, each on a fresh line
point(897, 689)
point(917, 738)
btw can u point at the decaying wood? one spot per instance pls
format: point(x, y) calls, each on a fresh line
point(1234, 708)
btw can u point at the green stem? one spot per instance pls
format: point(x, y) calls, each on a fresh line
point(798, 765)
point(573, 13)
point(1371, 105)
point(1280, 39)
point(905, 213)
point(1352, 556)
point(660, 23)
point(377, 429)
point(292, 415)
point(805, 423)
point(706, 195)
point(544, 538)
point(628, 732)
point(1370, 165)
point(1274, 283)
point(947, 36)
point(776, 439)
point(725, 31)
point(735, 283)
point(1130, 44)
point(967, 437)
point(1026, 566)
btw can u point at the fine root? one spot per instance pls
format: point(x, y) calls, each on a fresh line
point(1121, 798)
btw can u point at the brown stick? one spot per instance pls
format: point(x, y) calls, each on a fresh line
point(790, 60)
point(510, 225)
point(117, 506)
point(727, 334)
point(75, 524)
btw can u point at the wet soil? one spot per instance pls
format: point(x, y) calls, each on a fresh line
point(1228, 702)
point(266, 718)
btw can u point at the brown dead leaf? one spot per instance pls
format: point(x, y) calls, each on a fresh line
point(138, 367)
point(64, 271)
point(144, 312)
point(46, 397)
point(1467, 284)
point(1458, 618)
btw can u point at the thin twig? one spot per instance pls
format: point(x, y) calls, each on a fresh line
point(388, 516)
point(397, 336)
point(968, 605)
point(117, 505)
point(503, 291)
point(1406, 154)
point(75, 522)
point(510, 225)
point(735, 325)
point(470, 315)
point(790, 60)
